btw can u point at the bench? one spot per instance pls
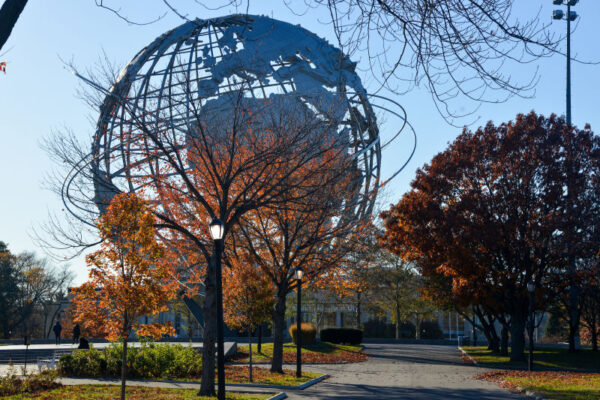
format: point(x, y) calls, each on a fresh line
point(50, 363)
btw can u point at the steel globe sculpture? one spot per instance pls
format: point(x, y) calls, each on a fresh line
point(197, 68)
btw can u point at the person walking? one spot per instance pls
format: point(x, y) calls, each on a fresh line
point(57, 330)
point(76, 333)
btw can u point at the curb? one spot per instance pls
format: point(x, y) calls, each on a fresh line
point(533, 395)
point(313, 382)
point(464, 353)
point(278, 396)
point(297, 387)
point(529, 394)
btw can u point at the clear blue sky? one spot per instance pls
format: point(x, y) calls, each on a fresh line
point(38, 94)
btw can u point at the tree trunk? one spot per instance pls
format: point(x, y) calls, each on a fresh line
point(358, 309)
point(595, 338)
point(397, 321)
point(259, 339)
point(9, 14)
point(124, 368)
point(207, 386)
point(573, 327)
point(278, 329)
point(490, 335)
point(488, 329)
point(190, 332)
point(250, 349)
point(517, 326)
point(418, 328)
point(488, 338)
point(504, 341)
point(573, 307)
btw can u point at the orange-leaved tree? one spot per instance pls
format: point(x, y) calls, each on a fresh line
point(130, 276)
point(311, 227)
point(248, 300)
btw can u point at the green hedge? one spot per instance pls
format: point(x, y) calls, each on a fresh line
point(342, 335)
point(308, 331)
point(150, 361)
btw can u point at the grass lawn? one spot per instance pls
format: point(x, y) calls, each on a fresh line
point(549, 384)
point(320, 353)
point(543, 358)
point(109, 392)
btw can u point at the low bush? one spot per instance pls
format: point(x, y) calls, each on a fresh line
point(342, 335)
point(308, 332)
point(431, 330)
point(13, 384)
point(150, 361)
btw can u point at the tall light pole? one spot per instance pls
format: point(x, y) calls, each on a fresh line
point(569, 16)
point(531, 290)
point(299, 273)
point(217, 231)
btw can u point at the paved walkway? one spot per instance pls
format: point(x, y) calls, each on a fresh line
point(393, 371)
point(404, 371)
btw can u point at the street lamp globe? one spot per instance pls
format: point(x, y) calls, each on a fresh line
point(217, 229)
point(299, 273)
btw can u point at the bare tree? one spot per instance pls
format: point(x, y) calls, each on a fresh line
point(458, 49)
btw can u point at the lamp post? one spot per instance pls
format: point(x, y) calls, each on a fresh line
point(569, 16)
point(531, 290)
point(299, 273)
point(217, 231)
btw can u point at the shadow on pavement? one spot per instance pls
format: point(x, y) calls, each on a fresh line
point(358, 392)
point(433, 354)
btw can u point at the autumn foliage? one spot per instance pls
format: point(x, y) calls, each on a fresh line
point(247, 297)
point(495, 211)
point(130, 276)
